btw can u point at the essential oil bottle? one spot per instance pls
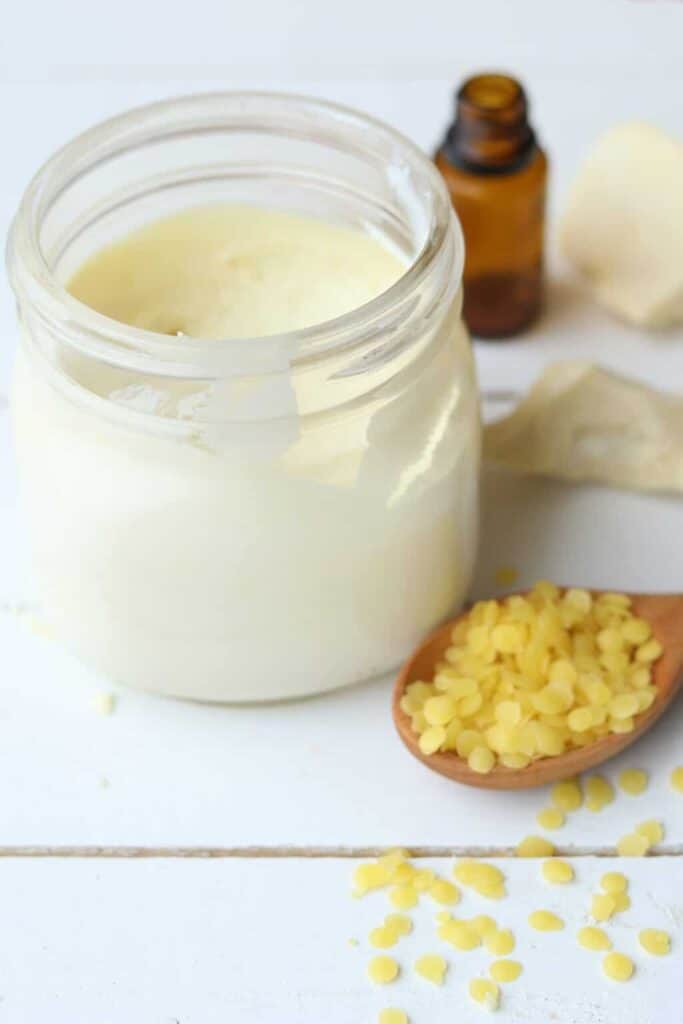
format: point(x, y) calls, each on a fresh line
point(496, 174)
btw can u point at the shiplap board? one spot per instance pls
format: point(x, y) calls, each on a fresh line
point(145, 941)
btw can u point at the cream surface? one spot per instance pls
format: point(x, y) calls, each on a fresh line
point(235, 271)
point(262, 552)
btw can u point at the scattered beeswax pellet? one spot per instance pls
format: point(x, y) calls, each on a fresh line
point(618, 966)
point(594, 938)
point(505, 970)
point(485, 879)
point(654, 941)
point(652, 830)
point(558, 872)
point(432, 967)
point(423, 880)
point(485, 992)
point(545, 921)
point(460, 935)
point(603, 906)
point(383, 937)
point(567, 796)
point(622, 901)
point(614, 881)
point(369, 876)
point(483, 925)
point(403, 897)
point(444, 892)
point(392, 1016)
point(402, 874)
point(633, 845)
point(550, 818)
point(399, 923)
point(599, 793)
point(500, 942)
point(443, 917)
point(532, 676)
point(633, 781)
point(676, 779)
point(535, 846)
point(382, 970)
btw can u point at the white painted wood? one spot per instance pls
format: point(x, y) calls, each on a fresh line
point(266, 942)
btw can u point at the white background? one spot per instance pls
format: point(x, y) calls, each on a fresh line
point(205, 930)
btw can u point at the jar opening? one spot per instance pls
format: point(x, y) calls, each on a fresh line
point(300, 152)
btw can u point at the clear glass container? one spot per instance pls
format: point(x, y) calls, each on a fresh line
point(251, 518)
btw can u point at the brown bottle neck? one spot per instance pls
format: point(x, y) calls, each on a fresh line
point(491, 133)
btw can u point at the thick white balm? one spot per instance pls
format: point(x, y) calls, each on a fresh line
point(284, 544)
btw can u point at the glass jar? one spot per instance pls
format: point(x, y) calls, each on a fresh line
point(251, 518)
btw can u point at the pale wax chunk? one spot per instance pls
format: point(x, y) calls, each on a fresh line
point(623, 224)
point(581, 422)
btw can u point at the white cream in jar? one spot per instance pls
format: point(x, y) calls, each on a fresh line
point(275, 531)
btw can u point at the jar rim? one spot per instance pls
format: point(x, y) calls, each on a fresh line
point(31, 275)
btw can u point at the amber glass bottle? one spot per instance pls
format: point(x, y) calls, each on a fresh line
point(496, 173)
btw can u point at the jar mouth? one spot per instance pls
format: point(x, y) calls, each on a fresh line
point(343, 128)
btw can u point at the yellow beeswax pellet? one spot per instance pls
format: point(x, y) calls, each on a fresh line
point(459, 934)
point(550, 818)
point(603, 906)
point(652, 830)
point(432, 967)
point(633, 781)
point(613, 882)
point(485, 879)
point(483, 925)
point(382, 970)
point(633, 845)
point(431, 739)
point(403, 897)
point(423, 879)
point(618, 966)
point(535, 846)
point(649, 651)
point(654, 941)
point(599, 793)
point(444, 892)
point(392, 1016)
point(567, 795)
point(557, 872)
point(401, 924)
point(594, 938)
point(622, 901)
point(440, 710)
point(369, 876)
point(481, 760)
point(505, 970)
point(383, 937)
point(402, 874)
point(545, 921)
point(676, 779)
point(499, 942)
point(485, 992)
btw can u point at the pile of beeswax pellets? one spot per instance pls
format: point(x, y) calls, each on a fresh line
point(533, 676)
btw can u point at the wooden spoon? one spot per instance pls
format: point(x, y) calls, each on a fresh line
point(664, 612)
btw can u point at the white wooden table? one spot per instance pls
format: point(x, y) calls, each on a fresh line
point(180, 863)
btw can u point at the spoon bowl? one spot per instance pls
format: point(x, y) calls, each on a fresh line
point(664, 612)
